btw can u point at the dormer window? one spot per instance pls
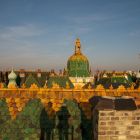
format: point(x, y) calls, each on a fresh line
point(38, 75)
point(22, 73)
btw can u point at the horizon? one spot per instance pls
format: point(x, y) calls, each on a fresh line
point(41, 34)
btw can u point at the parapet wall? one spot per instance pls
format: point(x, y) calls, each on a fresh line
point(22, 104)
point(57, 95)
point(119, 125)
point(60, 93)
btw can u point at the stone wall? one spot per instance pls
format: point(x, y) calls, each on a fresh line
point(119, 125)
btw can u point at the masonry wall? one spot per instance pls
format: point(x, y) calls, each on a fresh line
point(119, 125)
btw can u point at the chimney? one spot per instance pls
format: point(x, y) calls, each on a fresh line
point(22, 73)
point(39, 73)
point(60, 73)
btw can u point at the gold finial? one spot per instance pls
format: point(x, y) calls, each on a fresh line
point(23, 85)
point(111, 87)
point(67, 85)
point(100, 87)
point(33, 86)
point(55, 85)
point(77, 46)
point(121, 88)
point(89, 86)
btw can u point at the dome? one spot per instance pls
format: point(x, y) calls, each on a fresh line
point(12, 75)
point(78, 57)
point(78, 65)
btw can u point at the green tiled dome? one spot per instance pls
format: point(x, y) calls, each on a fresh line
point(78, 65)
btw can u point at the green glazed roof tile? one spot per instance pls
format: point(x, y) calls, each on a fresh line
point(60, 80)
point(31, 80)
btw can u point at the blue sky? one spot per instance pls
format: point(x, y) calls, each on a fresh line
point(41, 33)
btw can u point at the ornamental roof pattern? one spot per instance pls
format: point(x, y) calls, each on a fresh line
point(62, 81)
point(31, 80)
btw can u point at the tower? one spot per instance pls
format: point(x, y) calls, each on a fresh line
point(78, 64)
point(12, 79)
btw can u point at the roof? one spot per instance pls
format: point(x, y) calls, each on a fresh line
point(116, 85)
point(31, 80)
point(88, 85)
point(121, 79)
point(62, 81)
point(115, 82)
point(115, 103)
point(41, 80)
point(78, 57)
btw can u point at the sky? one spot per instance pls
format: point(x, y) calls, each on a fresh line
point(41, 33)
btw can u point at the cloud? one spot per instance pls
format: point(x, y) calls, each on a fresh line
point(16, 42)
point(88, 19)
point(30, 46)
point(21, 31)
point(85, 23)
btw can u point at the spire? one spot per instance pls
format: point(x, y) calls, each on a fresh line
point(77, 46)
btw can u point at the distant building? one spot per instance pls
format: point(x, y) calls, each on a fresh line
point(76, 75)
point(78, 67)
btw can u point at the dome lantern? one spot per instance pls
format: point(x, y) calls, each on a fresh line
point(77, 46)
